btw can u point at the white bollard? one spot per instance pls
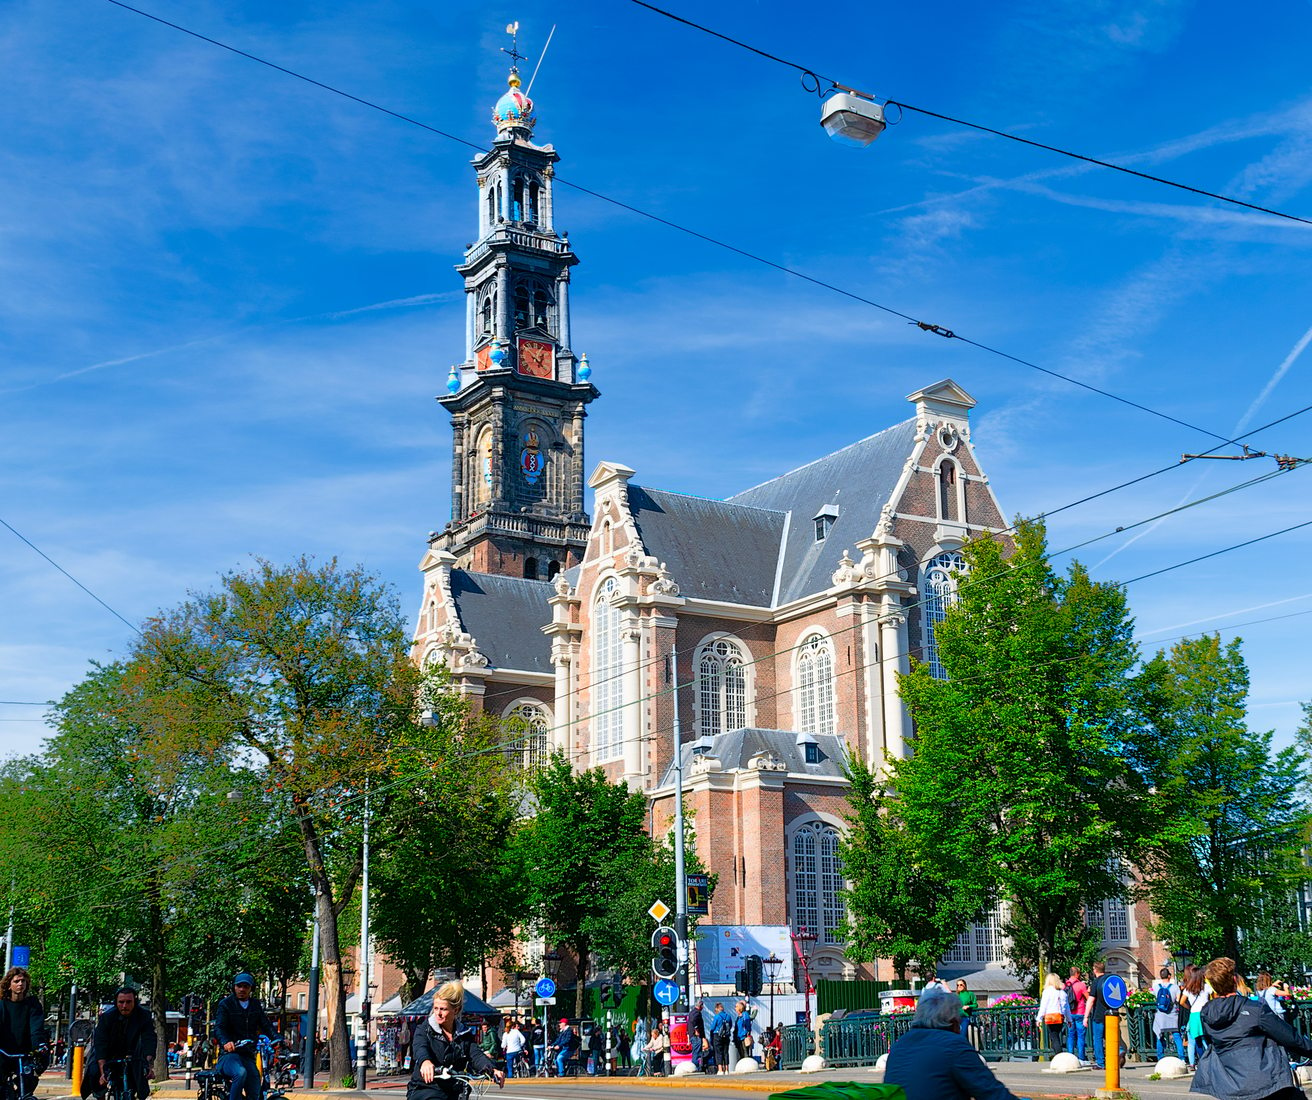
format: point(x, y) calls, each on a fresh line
point(747, 1065)
point(814, 1063)
point(1064, 1063)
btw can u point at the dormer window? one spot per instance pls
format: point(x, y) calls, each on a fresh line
point(824, 521)
point(811, 752)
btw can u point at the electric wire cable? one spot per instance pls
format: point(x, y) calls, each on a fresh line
point(194, 857)
point(838, 85)
point(755, 257)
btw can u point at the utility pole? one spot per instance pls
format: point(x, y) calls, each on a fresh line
point(362, 1033)
point(680, 875)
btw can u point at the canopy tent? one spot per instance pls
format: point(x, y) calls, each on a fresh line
point(474, 1006)
point(387, 1008)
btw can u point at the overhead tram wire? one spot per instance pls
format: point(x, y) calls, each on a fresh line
point(995, 534)
point(838, 85)
point(294, 840)
point(926, 326)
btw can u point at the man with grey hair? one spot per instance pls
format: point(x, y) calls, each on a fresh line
point(934, 1061)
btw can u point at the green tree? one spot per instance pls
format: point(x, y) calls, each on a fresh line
point(448, 891)
point(591, 869)
point(1017, 787)
point(301, 675)
point(899, 904)
point(1231, 859)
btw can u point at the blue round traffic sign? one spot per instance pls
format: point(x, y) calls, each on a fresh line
point(545, 988)
point(1114, 991)
point(666, 992)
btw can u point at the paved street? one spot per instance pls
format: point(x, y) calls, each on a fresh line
point(1023, 1078)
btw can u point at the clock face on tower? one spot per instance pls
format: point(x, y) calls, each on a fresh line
point(536, 359)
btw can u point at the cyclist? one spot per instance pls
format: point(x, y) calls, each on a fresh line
point(125, 1031)
point(240, 1017)
point(439, 1046)
point(22, 1026)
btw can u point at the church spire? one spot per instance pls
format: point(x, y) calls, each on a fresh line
point(518, 400)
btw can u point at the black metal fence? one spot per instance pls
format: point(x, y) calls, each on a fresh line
point(999, 1034)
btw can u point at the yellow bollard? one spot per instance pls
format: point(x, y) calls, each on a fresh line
point(1112, 1052)
point(77, 1069)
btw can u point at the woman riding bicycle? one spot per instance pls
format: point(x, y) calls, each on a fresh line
point(438, 1046)
point(22, 1027)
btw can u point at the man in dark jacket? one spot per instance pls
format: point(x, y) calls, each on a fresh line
point(125, 1032)
point(934, 1061)
point(240, 1017)
point(1245, 1060)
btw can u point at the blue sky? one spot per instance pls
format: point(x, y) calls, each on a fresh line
point(229, 298)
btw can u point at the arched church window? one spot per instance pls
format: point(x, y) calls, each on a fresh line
point(482, 479)
point(491, 206)
point(815, 686)
point(818, 881)
point(529, 743)
point(553, 570)
point(607, 675)
point(721, 687)
point(534, 200)
point(517, 199)
point(489, 312)
point(939, 592)
point(500, 204)
point(947, 489)
point(531, 569)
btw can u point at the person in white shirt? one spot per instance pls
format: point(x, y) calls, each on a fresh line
point(1166, 1020)
point(512, 1044)
point(1054, 1009)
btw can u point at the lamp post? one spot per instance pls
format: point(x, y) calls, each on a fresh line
point(772, 964)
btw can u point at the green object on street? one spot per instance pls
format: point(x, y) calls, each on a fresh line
point(843, 1090)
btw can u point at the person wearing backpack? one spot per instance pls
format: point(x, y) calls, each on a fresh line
point(1166, 1020)
point(721, 1033)
point(1077, 993)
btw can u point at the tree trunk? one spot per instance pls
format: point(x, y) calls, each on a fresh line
point(158, 978)
point(581, 982)
point(332, 991)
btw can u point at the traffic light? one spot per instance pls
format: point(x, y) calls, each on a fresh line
point(755, 975)
point(605, 995)
point(665, 952)
point(740, 981)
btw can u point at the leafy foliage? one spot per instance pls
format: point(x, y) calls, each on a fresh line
point(1226, 869)
point(1017, 788)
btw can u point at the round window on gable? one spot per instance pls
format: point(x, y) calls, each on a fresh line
point(948, 438)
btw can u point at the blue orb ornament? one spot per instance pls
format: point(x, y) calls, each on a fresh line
point(497, 355)
point(453, 381)
point(585, 371)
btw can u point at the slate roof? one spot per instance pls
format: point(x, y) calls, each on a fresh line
point(859, 479)
point(714, 550)
point(506, 616)
point(735, 748)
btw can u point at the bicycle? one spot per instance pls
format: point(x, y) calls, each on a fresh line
point(472, 1087)
point(214, 1084)
point(24, 1066)
point(118, 1079)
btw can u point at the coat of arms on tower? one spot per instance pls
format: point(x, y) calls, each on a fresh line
point(530, 458)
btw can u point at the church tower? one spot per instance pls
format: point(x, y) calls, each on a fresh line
point(519, 399)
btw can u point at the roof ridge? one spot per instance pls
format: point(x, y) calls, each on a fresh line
point(500, 576)
point(814, 461)
point(709, 500)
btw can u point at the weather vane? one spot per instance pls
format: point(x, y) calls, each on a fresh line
point(516, 57)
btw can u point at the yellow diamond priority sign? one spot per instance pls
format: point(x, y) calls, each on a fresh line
point(659, 912)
